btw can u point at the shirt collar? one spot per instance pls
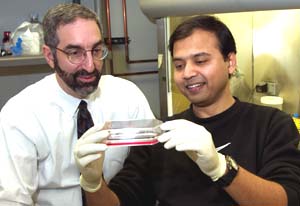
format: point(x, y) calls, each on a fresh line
point(68, 103)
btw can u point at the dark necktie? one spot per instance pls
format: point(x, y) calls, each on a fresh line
point(84, 122)
point(84, 119)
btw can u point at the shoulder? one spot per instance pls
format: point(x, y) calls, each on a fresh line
point(111, 84)
point(29, 98)
point(271, 122)
point(261, 112)
point(117, 81)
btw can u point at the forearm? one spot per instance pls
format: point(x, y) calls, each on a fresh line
point(104, 197)
point(248, 189)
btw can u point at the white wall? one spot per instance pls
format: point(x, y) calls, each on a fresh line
point(143, 45)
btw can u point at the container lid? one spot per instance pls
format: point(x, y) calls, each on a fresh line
point(271, 100)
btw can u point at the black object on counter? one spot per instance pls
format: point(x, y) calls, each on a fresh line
point(261, 87)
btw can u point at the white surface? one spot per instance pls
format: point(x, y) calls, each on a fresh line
point(272, 101)
point(155, 9)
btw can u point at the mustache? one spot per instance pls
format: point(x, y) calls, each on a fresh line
point(83, 72)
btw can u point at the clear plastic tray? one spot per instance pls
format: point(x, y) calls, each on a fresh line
point(133, 132)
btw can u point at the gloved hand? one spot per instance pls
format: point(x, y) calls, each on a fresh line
point(89, 156)
point(197, 142)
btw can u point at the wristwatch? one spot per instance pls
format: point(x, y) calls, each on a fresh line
point(231, 171)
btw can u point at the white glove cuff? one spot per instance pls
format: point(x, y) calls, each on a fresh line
point(219, 171)
point(88, 186)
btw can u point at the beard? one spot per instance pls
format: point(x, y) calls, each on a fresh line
point(83, 89)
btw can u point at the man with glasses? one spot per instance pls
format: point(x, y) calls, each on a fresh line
point(38, 126)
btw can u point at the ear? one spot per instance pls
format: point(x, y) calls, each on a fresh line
point(48, 55)
point(231, 62)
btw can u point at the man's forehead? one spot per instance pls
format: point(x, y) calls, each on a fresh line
point(190, 56)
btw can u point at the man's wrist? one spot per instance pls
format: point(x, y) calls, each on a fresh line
point(231, 172)
point(88, 186)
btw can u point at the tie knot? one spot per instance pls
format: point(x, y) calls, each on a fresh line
point(82, 105)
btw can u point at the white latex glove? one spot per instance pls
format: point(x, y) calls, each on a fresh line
point(197, 142)
point(89, 156)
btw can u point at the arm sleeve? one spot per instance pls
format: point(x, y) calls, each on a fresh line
point(18, 159)
point(281, 157)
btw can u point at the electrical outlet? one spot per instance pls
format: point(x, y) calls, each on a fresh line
point(272, 88)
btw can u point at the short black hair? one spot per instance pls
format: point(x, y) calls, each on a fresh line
point(208, 23)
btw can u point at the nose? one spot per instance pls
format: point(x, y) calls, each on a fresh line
point(190, 70)
point(88, 62)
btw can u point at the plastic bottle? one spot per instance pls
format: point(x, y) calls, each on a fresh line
point(296, 119)
point(37, 31)
point(31, 34)
point(6, 41)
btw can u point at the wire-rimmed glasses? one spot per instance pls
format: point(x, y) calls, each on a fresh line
point(78, 55)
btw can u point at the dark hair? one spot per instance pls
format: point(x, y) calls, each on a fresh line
point(212, 24)
point(63, 14)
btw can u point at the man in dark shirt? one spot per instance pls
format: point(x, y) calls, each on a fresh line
point(218, 152)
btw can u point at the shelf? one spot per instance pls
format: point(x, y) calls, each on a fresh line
point(13, 61)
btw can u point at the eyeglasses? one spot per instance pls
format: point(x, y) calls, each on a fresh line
point(78, 55)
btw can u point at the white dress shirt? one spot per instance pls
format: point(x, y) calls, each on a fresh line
point(38, 134)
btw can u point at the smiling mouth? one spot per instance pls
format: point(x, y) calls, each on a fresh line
point(86, 78)
point(194, 86)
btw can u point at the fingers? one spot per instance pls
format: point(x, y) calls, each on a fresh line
point(93, 136)
point(87, 153)
point(180, 143)
point(174, 138)
point(84, 161)
point(187, 146)
point(94, 129)
point(170, 125)
point(184, 135)
point(164, 137)
point(89, 149)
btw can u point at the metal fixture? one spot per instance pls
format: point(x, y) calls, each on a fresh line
point(272, 88)
point(109, 41)
point(127, 39)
